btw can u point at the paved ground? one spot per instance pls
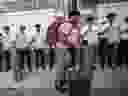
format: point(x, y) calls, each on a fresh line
point(38, 84)
point(107, 82)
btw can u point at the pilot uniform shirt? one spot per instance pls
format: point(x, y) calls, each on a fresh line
point(113, 34)
point(103, 27)
point(20, 41)
point(6, 41)
point(124, 31)
point(35, 38)
point(90, 34)
point(83, 35)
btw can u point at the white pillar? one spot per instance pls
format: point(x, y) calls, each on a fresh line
point(66, 6)
point(62, 5)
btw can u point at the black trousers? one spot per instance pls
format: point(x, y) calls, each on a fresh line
point(20, 59)
point(74, 56)
point(7, 60)
point(19, 66)
point(23, 58)
point(123, 54)
point(1, 61)
point(37, 55)
point(113, 58)
point(101, 51)
point(28, 58)
point(51, 58)
point(108, 53)
point(40, 57)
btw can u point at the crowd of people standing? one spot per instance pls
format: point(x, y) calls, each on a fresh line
point(28, 47)
point(36, 47)
point(108, 37)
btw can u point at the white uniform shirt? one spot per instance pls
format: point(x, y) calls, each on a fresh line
point(39, 37)
point(123, 34)
point(83, 31)
point(103, 24)
point(113, 34)
point(90, 36)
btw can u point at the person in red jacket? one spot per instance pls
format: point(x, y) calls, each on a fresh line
point(68, 32)
point(52, 34)
point(64, 32)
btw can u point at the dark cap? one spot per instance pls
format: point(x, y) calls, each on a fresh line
point(90, 18)
point(74, 13)
point(22, 27)
point(126, 19)
point(6, 28)
point(37, 25)
point(111, 15)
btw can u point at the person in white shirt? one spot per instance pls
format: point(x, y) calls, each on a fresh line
point(89, 31)
point(113, 34)
point(123, 43)
point(103, 26)
point(83, 33)
point(39, 36)
point(21, 36)
point(7, 39)
point(124, 29)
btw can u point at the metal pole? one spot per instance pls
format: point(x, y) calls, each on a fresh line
point(66, 7)
point(63, 6)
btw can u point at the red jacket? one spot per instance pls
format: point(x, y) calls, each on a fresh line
point(52, 33)
point(61, 29)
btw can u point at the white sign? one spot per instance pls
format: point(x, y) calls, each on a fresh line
point(25, 17)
